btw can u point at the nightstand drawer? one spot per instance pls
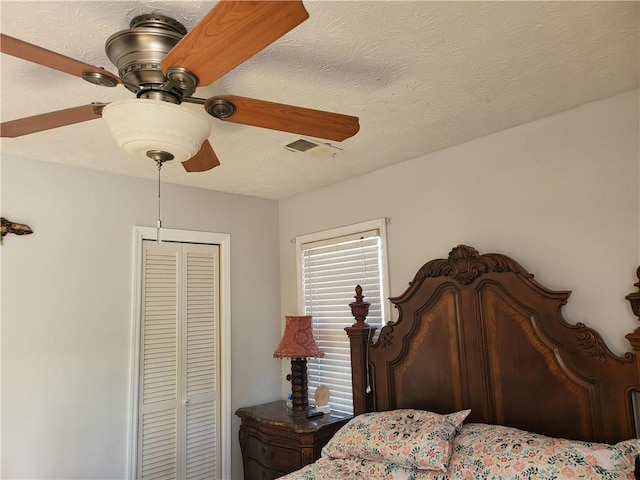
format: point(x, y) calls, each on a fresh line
point(254, 470)
point(270, 454)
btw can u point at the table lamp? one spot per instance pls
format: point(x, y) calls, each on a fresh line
point(298, 344)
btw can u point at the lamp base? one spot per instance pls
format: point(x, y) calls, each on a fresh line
point(299, 391)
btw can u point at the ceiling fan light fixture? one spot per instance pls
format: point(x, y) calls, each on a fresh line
point(142, 125)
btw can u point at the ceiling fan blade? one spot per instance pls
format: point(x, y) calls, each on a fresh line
point(232, 32)
point(32, 53)
point(287, 118)
point(47, 121)
point(202, 161)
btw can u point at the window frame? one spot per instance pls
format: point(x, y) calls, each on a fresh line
point(344, 231)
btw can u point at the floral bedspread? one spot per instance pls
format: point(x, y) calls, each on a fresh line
point(486, 452)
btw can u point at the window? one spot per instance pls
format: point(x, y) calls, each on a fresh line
point(331, 264)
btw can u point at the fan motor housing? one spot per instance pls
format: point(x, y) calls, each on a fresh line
point(138, 52)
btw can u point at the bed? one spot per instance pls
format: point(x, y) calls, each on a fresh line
point(481, 377)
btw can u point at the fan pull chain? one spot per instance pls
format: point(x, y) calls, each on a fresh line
point(159, 224)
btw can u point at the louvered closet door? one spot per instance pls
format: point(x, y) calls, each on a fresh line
point(201, 361)
point(178, 397)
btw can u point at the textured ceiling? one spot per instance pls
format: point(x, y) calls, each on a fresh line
point(421, 76)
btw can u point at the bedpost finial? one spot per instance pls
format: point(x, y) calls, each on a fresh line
point(634, 298)
point(360, 309)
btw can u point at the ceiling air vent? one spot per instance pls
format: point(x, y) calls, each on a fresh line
point(322, 150)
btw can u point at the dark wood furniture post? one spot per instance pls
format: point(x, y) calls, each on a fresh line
point(299, 391)
point(634, 340)
point(360, 335)
point(634, 337)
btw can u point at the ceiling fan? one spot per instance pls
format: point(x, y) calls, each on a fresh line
point(162, 64)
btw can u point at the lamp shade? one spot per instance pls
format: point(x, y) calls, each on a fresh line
point(297, 339)
point(143, 125)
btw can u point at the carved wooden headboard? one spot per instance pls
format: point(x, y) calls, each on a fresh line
point(477, 331)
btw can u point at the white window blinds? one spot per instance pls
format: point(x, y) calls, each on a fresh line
point(330, 268)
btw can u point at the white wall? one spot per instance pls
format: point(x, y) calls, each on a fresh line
point(67, 311)
point(560, 195)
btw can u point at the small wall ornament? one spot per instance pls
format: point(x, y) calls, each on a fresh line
point(7, 226)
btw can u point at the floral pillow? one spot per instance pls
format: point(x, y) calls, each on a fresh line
point(407, 437)
point(494, 451)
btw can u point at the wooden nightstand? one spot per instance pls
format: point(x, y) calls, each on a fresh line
point(274, 441)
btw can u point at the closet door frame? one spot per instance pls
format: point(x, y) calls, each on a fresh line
point(223, 240)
